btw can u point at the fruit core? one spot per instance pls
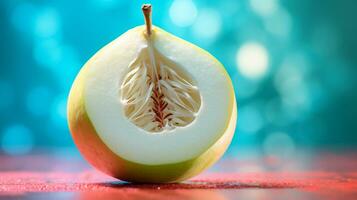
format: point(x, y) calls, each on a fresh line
point(157, 93)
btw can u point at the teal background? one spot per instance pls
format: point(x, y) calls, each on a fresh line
point(293, 65)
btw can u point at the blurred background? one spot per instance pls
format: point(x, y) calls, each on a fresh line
point(293, 65)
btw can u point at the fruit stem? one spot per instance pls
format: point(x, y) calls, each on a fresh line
point(146, 8)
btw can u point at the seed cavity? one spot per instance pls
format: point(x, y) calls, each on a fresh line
point(157, 94)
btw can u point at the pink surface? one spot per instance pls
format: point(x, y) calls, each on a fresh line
point(323, 176)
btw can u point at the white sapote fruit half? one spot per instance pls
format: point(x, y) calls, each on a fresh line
point(150, 107)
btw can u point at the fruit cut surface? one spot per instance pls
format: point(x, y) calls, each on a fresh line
point(155, 101)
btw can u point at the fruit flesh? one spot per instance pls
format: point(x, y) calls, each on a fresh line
point(97, 150)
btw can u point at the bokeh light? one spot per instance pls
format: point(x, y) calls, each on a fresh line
point(252, 60)
point(47, 23)
point(264, 7)
point(17, 139)
point(291, 84)
point(208, 25)
point(279, 23)
point(279, 144)
point(183, 13)
point(47, 53)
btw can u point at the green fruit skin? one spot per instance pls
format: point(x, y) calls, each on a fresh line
point(96, 152)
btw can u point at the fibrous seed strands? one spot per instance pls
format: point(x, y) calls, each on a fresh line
point(157, 94)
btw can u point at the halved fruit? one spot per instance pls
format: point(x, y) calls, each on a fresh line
point(150, 107)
